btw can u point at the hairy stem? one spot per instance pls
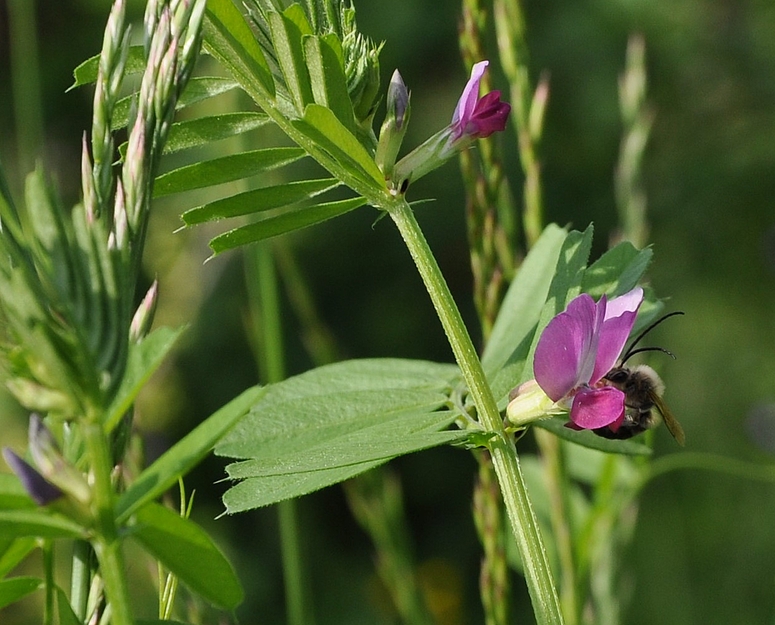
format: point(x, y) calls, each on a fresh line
point(504, 456)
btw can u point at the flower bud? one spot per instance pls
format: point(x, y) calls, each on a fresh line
point(143, 318)
point(394, 127)
point(474, 118)
point(39, 489)
point(52, 464)
point(530, 403)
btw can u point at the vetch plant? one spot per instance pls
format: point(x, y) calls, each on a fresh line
point(83, 350)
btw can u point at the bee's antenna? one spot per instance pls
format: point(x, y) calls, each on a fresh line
point(631, 352)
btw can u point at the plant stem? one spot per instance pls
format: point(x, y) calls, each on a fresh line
point(107, 543)
point(265, 300)
point(524, 525)
point(80, 578)
point(25, 76)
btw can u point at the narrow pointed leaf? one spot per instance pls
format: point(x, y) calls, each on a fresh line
point(224, 169)
point(566, 284)
point(184, 455)
point(586, 438)
point(144, 358)
point(524, 299)
point(188, 551)
point(86, 72)
point(617, 271)
point(197, 89)
point(227, 36)
point(258, 200)
point(329, 85)
point(16, 588)
point(65, 610)
point(295, 219)
point(40, 523)
point(12, 554)
point(320, 124)
point(287, 40)
point(193, 133)
point(258, 492)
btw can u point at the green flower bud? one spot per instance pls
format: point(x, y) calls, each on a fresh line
point(394, 127)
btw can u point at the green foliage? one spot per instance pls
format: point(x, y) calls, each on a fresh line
point(331, 423)
point(40, 523)
point(225, 169)
point(588, 439)
point(184, 455)
point(144, 358)
point(266, 198)
point(13, 589)
point(289, 221)
point(188, 552)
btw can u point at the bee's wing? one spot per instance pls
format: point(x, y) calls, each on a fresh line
point(670, 421)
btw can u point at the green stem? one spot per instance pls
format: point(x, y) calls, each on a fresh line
point(524, 525)
point(25, 76)
point(80, 578)
point(265, 297)
point(48, 566)
point(556, 480)
point(107, 543)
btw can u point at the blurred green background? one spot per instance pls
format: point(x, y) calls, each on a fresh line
point(704, 549)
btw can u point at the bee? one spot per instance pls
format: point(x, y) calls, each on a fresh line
point(643, 390)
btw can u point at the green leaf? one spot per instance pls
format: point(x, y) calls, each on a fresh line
point(322, 126)
point(373, 439)
point(66, 614)
point(227, 37)
point(184, 455)
point(188, 552)
point(86, 72)
point(224, 169)
point(257, 492)
point(12, 493)
point(352, 386)
point(281, 224)
point(23, 523)
point(12, 554)
point(11, 590)
point(586, 438)
point(329, 84)
point(257, 200)
point(524, 299)
point(287, 40)
point(193, 133)
point(197, 89)
point(331, 423)
point(617, 271)
point(143, 360)
point(566, 284)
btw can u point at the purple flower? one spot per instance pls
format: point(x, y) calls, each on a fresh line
point(477, 117)
point(580, 346)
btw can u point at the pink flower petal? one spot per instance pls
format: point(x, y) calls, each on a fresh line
point(467, 102)
point(565, 351)
point(490, 115)
point(619, 316)
point(597, 407)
